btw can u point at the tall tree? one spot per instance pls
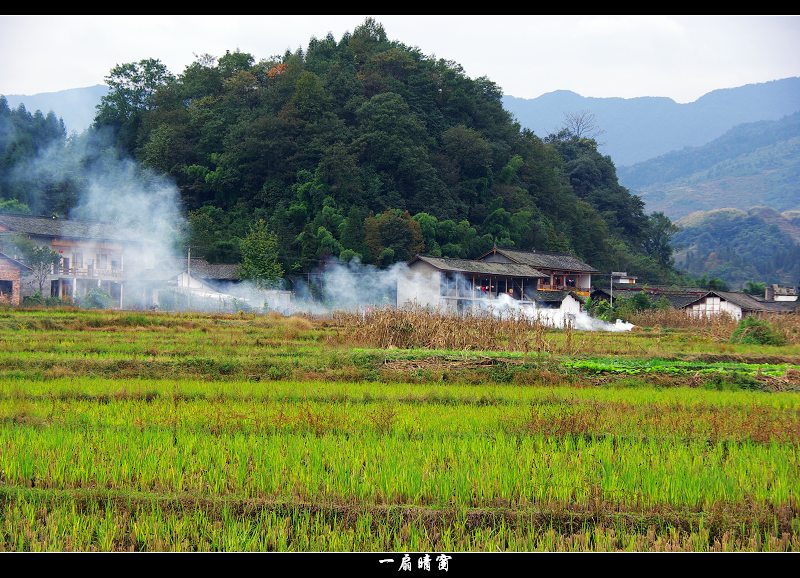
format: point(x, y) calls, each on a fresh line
point(582, 124)
point(40, 259)
point(260, 257)
point(131, 90)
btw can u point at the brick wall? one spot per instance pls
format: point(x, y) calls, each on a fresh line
point(9, 272)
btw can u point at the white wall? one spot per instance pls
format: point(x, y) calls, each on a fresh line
point(734, 310)
point(570, 305)
point(714, 306)
point(419, 284)
point(278, 299)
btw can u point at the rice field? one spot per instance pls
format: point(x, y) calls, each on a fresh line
point(183, 432)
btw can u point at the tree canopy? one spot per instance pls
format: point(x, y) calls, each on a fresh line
point(364, 147)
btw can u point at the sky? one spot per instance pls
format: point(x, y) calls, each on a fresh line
point(682, 57)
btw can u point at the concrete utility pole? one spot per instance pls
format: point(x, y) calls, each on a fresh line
point(189, 279)
point(611, 285)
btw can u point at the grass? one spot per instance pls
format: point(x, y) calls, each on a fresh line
point(123, 431)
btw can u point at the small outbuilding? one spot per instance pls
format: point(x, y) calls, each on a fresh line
point(11, 272)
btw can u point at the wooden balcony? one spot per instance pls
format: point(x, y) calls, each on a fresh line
point(90, 272)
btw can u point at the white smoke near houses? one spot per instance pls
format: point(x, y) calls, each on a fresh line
point(354, 286)
point(558, 318)
point(134, 226)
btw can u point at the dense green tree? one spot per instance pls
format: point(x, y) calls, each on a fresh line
point(755, 288)
point(33, 150)
point(13, 206)
point(712, 283)
point(41, 259)
point(260, 257)
point(658, 238)
point(392, 236)
point(131, 91)
point(338, 145)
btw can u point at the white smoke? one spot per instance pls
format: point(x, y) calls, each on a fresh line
point(354, 286)
point(351, 286)
point(505, 304)
point(143, 207)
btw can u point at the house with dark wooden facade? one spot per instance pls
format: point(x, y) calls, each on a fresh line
point(561, 272)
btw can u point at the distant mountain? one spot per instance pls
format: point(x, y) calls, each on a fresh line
point(751, 164)
point(759, 244)
point(75, 105)
point(637, 129)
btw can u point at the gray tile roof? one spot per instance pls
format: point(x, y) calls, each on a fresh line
point(747, 302)
point(205, 270)
point(17, 264)
point(545, 260)
point(66, 228)
point(676, 298)
point(201, 269)
point(480, 267)
point(783, 306)
point(679, 300)
point(546, 296)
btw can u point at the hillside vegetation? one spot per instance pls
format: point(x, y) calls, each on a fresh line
point(364, 147)
point(752, 164)
point(739, 246)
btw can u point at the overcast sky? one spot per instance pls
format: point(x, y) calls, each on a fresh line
point(682, 57)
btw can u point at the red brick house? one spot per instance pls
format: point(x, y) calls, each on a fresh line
point(10, 279)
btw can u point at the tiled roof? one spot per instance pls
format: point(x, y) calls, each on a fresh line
point(205, 270)
point(20, 266)
point(545, 260)
point(680, 300)
point(746, 302)
point(481, 267)
point(546, 296)
point(201, 269)
point(66, 228)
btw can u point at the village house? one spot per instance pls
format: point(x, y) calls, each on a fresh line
point(99, 255)
point(10, 280)
point(736, 304)
point(677, 297)
point(697, 301)
point(561, 272)
point(458, 284)
point(622, 278)
point(780, 293)
point(92, 254)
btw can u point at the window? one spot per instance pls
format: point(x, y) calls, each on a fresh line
point(6, 288)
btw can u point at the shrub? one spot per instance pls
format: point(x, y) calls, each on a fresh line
point(33, 300)
point(38, 300)
point(757, 332)
point(96, 298)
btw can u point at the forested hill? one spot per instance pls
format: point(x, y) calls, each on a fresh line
point(752, 164)
point(24, 136)
point(365, 147)
point(739, 246)
point(76, 106)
